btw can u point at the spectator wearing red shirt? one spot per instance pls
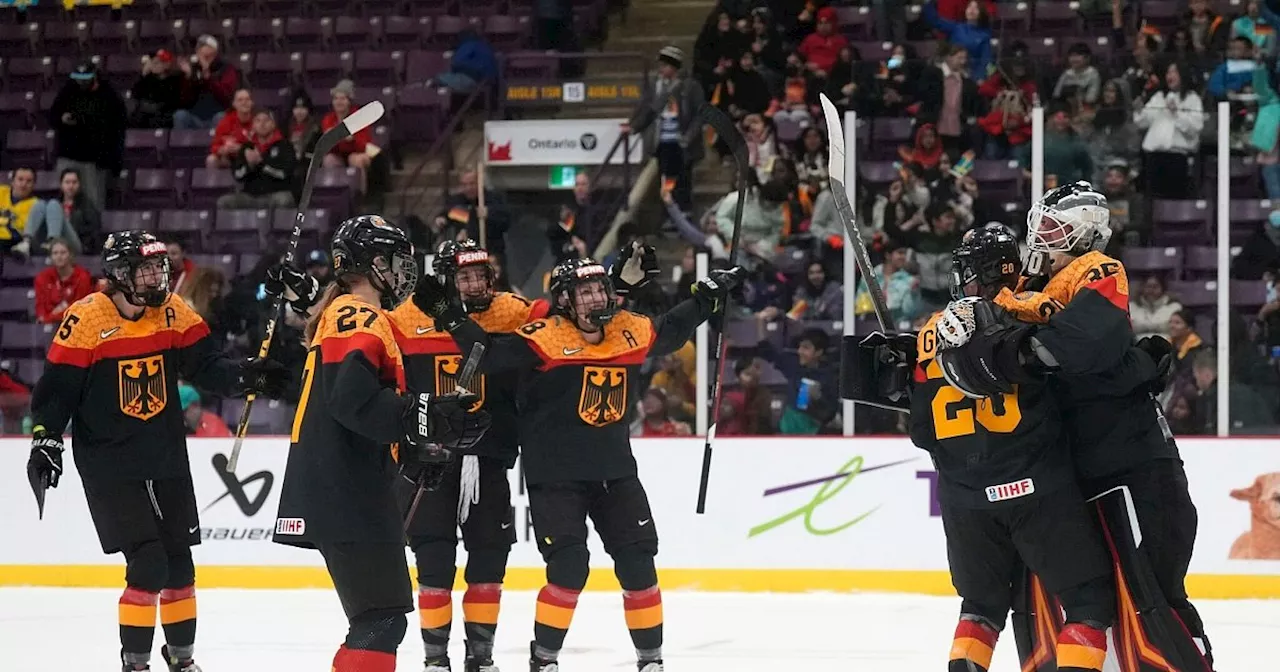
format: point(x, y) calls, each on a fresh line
point(234, 130)
point(180, 267)
point(821, 49)
point(208, 89)
point(953, 10)
point(654, 420)
point(60, 284)
point(353, 151)
point(15, 396)
point(200, 423)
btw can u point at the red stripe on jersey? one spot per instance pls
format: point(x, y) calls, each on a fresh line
point(1109, 288)
point(124, 348)
point(428, 346)
point(61, 354)
point(630, 358)
point(334, 349)
point(193, 334)
point(920, 376)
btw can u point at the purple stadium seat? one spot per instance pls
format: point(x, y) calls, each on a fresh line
point(301, 33)
point(30, 74)
point(1249, 211)
point(1012, 19)
point(925, 49)
point(91, 13)
point(447, 29)
point(507, 32)
point(16, 109)
point(153, 35)
point(872, 50)
point(998, 179)
point(190, 226)
point(272, 417)
point(1195, 293)
point(1202, 261)
point(351, 32)
point(382, 135)
point(326, 68)
point(248, 261)
point(1179, 212)
point(236, 9)
point(109, 37)
point(317, 223)
point(65, 38)
point(480, 8)
point(531, 65)
point(1162, 14)
point(788, 130)
point(877, 174)
point(332, 8)
point(421, 66)
point(155, 188)
point(1043, 49)
point(26, 340)
point(24, 148)
point(791, 261)
point(183, 9)
point(17, 273)
point(422, 110)
point(289, 8)
point(402, 32)
point(122, 70)
point(17, 303)
point(225, 263)
point(48, 12)
point(273, 71)
point(124, 220)
point(1244, 177)
point(380, 67)
point(188, 149)
point(240, 230)
point(30, 370)
point(1248, 293)
point(197, 26)
point(273, 99)
point(18, 39)
point(1055, 18)
point(855, 22)
point(145, 147)
point(431, 8)
point(48, 184)
point(207, 185)
point(888, 134)
point(386, 94)
point(258, 34)
point(1167, 260)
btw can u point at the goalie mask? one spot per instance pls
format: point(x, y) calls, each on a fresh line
point(369, 246)
point(136, 265)
point(463, 267)
point(987, 256)
point(1073, 218)
point(581, 288)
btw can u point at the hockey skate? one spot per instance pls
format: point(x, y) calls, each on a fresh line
point(480, 665)
point(130, 666)
point(538, 664)
point(649, 666)
point(437, 664)
point(176, 665)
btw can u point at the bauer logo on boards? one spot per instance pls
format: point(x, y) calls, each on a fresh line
point(999, 493)
point(291, 526)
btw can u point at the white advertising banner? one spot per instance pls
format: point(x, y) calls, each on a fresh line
point(781, 514)
point(556, 142)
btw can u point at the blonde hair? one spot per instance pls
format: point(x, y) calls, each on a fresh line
point(206, 285)
point(331, 294)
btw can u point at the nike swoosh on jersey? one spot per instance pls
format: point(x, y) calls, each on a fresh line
point(424, 330)
point(106, 333)
point(570, 353)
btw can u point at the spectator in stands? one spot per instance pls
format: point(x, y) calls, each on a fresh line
point(358, 150)
point(88, 118)
point(900, 286)
point(209, 88)
point(717, 42)
point(814, 397)
point(1182, 420)
point(15, 398)
point(810, 157)
point(1066, 156)
point(675, 378)
point(20, 212)
point(204, 293)
point(817, 297)
point(932, 233)
point(1151, 310)
point(181, 269)
point(580, 223)
point(318, 267)
point(263, 167)
point(1233, 76)
point(749, 93)
point(1257, 28)
point(705, 236)
point(949, 99)
point(1186, 343)
point(926, 151)
point(463, 209)
point(60, 284)
point(763, 219)
point(1014, 74)
point(847, 85)
point(1008, 128)
point(654, 418)
point(766, 43)
point(72, 217)
point(233, 131)
point(1266, 132)
point(794, 108)
point(1173, 118)
point(821, 49)
point(1249, 410)
point(894, 84)
point(766, 294)
point(1112, 136)
point(303, 129)
point(157, 93)
point(473, 63)
point(747, 408)
point(1261, 253)
point(674, 101)
point(762, 145)
point(1080, 84)
point(956, 10)
point(890, 19)
point(1208, 30)
point(890, 209)
point(1130, 218)
point(200, 422)
point(973, 34)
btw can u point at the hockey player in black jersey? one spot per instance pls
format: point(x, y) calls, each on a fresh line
point(1125, 457)
point(353, 422)
point(113, 374)
point(579, 375)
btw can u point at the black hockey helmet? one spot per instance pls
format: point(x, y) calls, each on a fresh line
point(568, 275)
point(455, 255)
point(988, 256)
point(132, 256)
point(371, 247)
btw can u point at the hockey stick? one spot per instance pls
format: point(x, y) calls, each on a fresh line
point(835, 173)
point(354, 123)
point(464, 382)
point(725, 129)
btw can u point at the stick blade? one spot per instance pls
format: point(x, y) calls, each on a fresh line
point(39, 484)
point(364, 117)
point(835, 138)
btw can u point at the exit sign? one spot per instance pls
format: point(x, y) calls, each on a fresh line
point(562, 177)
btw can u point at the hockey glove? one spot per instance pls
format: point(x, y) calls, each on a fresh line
point(424, 465)
point(712, 290)
point(431, 296)
point(631, 270)
point(46, 456)
point(1161, 352)
point(264, 377)
point(876, 368)
point(298, 288)
point(445, 419)
point(956, 324)
point(990, 362)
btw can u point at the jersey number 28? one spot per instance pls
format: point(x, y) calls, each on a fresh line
point(955, 414)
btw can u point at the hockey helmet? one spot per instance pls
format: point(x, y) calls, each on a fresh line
point(567, 276)
point(988, 256)
point(1073, 218)
point(136, 264)
point(452, 257)
point(371, 247)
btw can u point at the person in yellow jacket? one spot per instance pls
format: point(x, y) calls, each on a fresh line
point(17, 207)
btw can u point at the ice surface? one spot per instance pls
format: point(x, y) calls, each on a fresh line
point(55, 629)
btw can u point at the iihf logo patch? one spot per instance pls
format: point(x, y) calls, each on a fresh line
point(294, 526)
point(999, 493)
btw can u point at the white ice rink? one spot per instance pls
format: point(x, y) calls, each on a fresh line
point(55, 629)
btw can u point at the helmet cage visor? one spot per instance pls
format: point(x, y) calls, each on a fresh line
point(1078, 229)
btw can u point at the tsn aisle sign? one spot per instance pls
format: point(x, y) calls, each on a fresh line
point(556, 142)
point(807, 514)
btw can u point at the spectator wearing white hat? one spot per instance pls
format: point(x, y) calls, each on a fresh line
point(673, 101)
point(210, 85)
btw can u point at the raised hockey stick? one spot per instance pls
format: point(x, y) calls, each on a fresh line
point(354, 123)
point(725, 129)
point(835, 173)
point(464, 383)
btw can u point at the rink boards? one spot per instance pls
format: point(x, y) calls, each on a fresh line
point(783, 515)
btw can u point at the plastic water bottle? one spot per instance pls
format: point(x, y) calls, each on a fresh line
point(802, 395)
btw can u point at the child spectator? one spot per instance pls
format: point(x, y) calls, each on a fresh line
point(1257, 28)
point(811, 159)
point(973, 34)
point(655, 420)
point(60, 284)
point(1234, 75)
point(821, 49)
point(762, 145)
point(1066, 156)
point(1008, 128)
point(1130, 224)
point(813, 399)
point(927, 149)
point(817, 296)
point(1080, 83)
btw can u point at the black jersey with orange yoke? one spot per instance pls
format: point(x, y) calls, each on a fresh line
point(338, 480)
point(988, 452)
point(433, 362)
point(574, 395)
point(116, 379)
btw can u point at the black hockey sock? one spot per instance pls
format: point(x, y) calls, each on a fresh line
point(435, 612)
point(480, 605)
point(552, 619)
point(972, 646)
point(178, 617)
point(137, 616)
point(644, 620)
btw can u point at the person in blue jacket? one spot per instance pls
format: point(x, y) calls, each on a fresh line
point(473, 62)
point(974, 34)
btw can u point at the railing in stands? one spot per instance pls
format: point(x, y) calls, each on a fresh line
point(443, 147)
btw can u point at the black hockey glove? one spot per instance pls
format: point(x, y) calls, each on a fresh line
point(45, 462)
point(712, 290)
point(424, 465)
point(298, 288)
point(264, 377)
point(876, 368)
point(445, 419)
point(432, 297)
point(991, 361)
point(1161, 352)
point(631, 270)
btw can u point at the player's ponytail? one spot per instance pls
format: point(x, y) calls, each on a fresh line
point(331, 293)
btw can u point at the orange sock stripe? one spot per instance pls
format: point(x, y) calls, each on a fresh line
point(968, 648)
point(1083, 657)
point(175, 594)
point(137, 615)
point(642, 619)
point(485, 613)
point(439, 617)
point(555, 606)
point(176, 612)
